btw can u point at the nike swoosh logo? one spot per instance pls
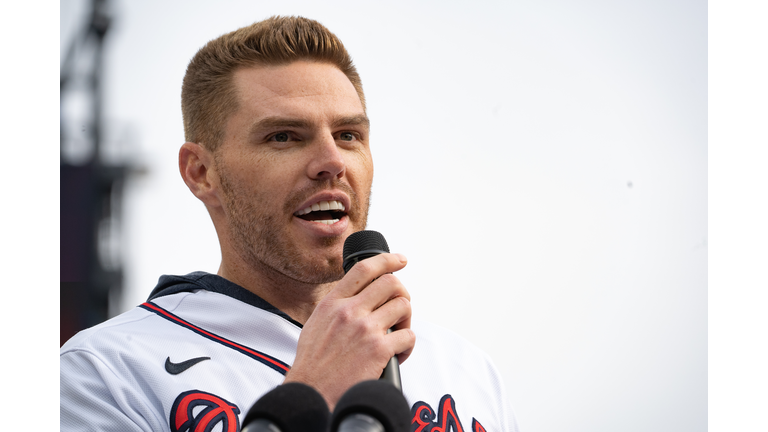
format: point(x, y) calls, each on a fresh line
point(177, 368)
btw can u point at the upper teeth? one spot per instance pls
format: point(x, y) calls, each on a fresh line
point(322, 206)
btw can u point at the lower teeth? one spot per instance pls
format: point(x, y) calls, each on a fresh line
point(327, 221)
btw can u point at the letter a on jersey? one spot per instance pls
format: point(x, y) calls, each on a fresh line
point(425, 419)
point(186, 415)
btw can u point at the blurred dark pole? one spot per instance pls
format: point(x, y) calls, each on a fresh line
point(90, 191)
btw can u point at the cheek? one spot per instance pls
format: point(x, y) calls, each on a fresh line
point(262, 171)
point(360, 165)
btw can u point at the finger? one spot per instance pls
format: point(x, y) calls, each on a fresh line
point(403, 341)
point(366, 271)
point(394, 313)
point(380, 291)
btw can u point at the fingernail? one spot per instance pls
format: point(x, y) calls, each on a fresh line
point(402, 258)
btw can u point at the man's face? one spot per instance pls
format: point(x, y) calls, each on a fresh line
point(298, 142)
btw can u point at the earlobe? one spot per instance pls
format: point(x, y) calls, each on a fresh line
point(196, 168)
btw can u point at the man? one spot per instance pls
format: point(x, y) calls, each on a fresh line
point(277, 149)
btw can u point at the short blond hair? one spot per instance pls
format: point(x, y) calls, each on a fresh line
point(208, 95)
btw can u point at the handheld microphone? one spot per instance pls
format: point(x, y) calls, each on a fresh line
point(357, 247)
point(291, 407)
point(372, 406)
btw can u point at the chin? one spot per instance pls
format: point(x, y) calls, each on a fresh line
point(312, 270)
point(318, 278)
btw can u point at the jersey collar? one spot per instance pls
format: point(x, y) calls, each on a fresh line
point(170, 284)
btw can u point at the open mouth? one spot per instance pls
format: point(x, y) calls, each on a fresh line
point(326, 212)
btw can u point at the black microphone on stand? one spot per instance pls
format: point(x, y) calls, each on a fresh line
point(372, 406)
point(291, 407)
point(357, 247)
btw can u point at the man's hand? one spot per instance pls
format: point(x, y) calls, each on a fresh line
point(345, 341)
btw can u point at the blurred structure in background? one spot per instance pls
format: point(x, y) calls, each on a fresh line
point(91, 184)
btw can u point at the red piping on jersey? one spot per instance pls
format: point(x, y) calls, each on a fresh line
point(172, 317)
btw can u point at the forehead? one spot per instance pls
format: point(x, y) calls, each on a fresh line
point(297, 86)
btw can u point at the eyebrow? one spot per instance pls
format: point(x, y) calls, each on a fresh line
point(355, 120)
point(276, 122)
point(287, 122)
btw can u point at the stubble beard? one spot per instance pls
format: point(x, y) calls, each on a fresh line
point(261, 242)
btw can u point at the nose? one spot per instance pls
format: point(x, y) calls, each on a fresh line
point(327, 161)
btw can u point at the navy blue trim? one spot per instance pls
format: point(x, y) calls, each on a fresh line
point(259, 356)
point(168, 285)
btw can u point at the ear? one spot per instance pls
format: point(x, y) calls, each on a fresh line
point(198, 171)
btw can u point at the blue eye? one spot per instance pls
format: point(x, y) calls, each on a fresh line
point(346, 136)
point(280, 137)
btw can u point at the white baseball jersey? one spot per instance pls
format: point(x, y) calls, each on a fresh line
point(203, 350)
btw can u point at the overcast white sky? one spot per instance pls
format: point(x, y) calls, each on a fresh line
point(543, 165)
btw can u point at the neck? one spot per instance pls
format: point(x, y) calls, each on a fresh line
point(295, 298)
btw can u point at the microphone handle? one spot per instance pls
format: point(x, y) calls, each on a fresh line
point(391, 372)
point(360, 423)
point(261, 425)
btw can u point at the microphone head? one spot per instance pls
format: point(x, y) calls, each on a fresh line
point(292, 407)
point(378, 399)
point(362, 245)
